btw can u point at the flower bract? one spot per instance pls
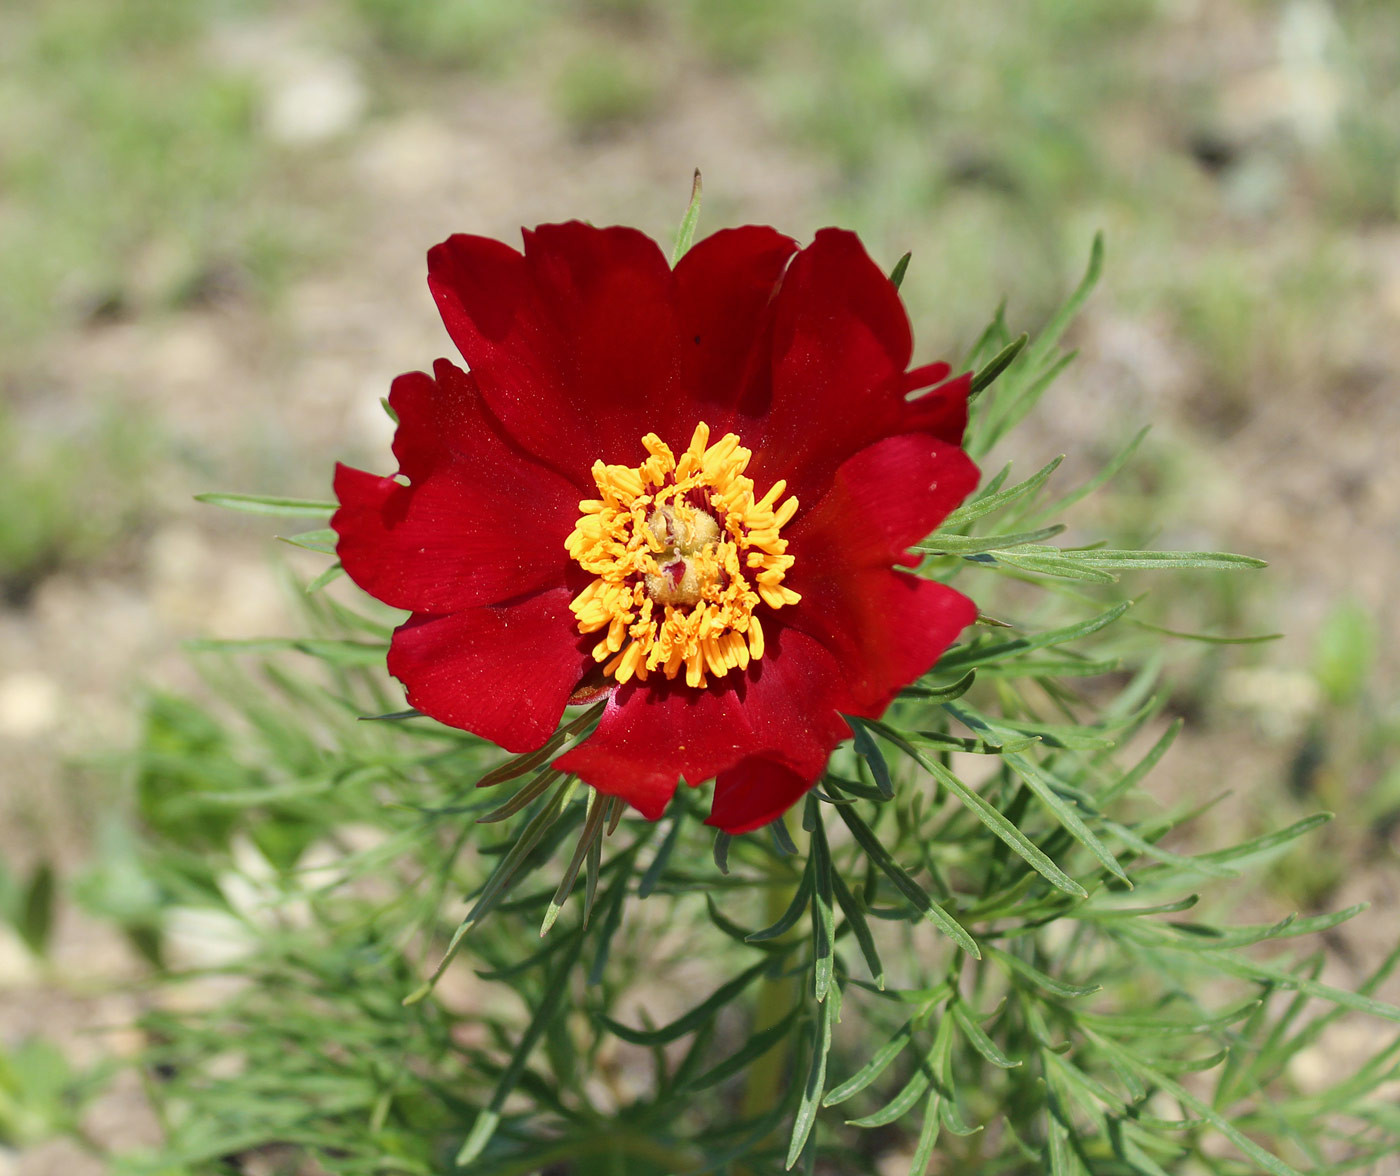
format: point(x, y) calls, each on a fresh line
point(688, 491)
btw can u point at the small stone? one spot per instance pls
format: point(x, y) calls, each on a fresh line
point(29, 704)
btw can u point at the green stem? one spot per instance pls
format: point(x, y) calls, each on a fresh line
point(777, 994)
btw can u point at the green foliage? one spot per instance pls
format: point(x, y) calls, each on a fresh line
point(67, 498)
point(598, 89)
point(985, 942)
point(127, 181)
point(473, 33)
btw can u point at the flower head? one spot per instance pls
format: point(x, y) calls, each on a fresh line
point(687, 490)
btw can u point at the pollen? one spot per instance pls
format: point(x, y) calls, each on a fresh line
point(682, 554)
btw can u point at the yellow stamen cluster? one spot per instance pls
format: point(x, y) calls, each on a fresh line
point(683, 554)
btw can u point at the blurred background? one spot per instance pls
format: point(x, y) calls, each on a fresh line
point(213, 220)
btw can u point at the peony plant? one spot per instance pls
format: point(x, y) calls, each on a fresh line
point(700, 521)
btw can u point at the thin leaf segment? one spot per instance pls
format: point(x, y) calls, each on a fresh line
point(683, 554)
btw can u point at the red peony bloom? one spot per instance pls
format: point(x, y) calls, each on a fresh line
point(687, 489)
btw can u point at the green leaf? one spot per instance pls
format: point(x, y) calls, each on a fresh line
point(336, 652)
point(979, 655)
point(322, 541)
point(335, 571)
point(756, 1047)
point(977, 544)
point(1220, 939)
point(528, 792)
point(906, 885)
point(978, 1038)
point(812, 1089)
point(901, 1103)
point(1267, 1161)
point(870, 752)
point(265, 504)
point(502, 878)
point(659, 862)
point(489, 1118)
point(1282, 978)
point(789, 917)
point(592, 832)
point(941, 693)
point(859, 927)
point(518, 765)
point(1130, 779)
point(721, 851)
point(690, 1021)
point(1017, 841)
point(685, 236)
point(989, 503)
point(613, 902)
point(900, 268)
point(1105, 475)
point(35, 914)
point(1066, 813)
point(1267, 842)
point(823, 917)
point(876, 1066)
point(928, 1135)
point(1208, 638)
point(1019, 967)
point(998, 364)
point(1050, 334)
point(1119, 561)
point(1049, 561)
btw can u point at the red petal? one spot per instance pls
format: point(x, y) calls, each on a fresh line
point(575, 344)
point(886, 627)
point(941, 411)
point(725, 286)
point(882, 500)
point(503, 672)
point(655, 732)
point(479, 524)
point(841, 345)
point(754, 792)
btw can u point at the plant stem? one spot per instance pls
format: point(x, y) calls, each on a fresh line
point(777, 994)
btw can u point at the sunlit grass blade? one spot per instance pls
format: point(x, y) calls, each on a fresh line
point(267, 504)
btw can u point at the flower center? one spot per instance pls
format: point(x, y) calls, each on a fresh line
point(682, 553)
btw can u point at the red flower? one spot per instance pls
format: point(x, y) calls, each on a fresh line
point(688, 488)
